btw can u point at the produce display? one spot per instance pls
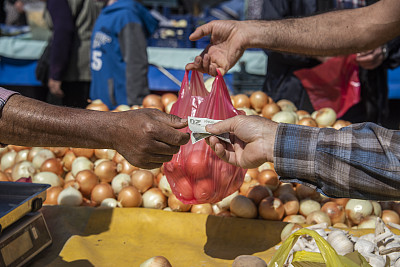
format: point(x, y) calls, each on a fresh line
point(102, 177)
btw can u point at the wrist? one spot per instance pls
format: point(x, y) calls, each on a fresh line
point(269, 136)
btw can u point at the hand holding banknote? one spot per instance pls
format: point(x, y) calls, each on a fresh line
point(252, 140)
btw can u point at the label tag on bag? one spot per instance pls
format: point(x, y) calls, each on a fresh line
point(198, 128)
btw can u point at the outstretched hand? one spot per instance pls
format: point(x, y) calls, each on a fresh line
point(226, 46)
point(253, 139)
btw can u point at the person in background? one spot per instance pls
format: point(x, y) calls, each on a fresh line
point(15, 14)
point(282, 83)
point(119, 61)
point(145, 137)
point(71, 22)
point(358, 161)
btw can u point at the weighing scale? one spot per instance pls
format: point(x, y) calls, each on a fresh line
point(23, 230)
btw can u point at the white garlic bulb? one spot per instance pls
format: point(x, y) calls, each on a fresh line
point(364, 246)
point(340, 242)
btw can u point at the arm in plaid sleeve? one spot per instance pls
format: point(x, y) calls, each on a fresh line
point(359, 161)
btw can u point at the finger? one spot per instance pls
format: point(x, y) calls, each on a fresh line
point(221, 152)
point(155, 158)
point(200, 32)
point(206, 63)
point(225, 126)
point(171, 120)
point(163, 148)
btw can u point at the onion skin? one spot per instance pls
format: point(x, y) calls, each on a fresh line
point(205, 208)
point(97, 105)
point(177, 205)
point(129, 196)
point(357, 210)
point(300, 219)
point(87, 180)
point(269, 110)
point(168, 98)
point(142, 180)
point(390, 216)
point(317, 217)
point(154, 199)
point(153, 101)
point(243, 207)
point(325, 117)
point(59, 152)
point(157, 261)
point(269, 178)
point(286, 105)
point(52, 165)
point(258, 100)
point(306, 192)
point(83, 152)
point(101, 192)
point(52, 195)
point(335, 212)
point(67, 160)
point(253, 173)
point(248, 260)
point(245, 187)
point(241, 101)
point(106, 171)
point(308, 122)
point(290, 203)
point(4, 177)
point(258, 193)
point(271, 208)
point(284, 188)
point(308, 206)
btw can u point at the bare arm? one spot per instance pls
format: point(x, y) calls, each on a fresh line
point(328, 34)
point(332, 33)
point(144, 137)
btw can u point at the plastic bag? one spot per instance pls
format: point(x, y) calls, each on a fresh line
point(196, 174)
point(328, 255)
point(334, 83)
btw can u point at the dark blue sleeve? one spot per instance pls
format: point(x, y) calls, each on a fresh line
point(278, 9)
point(63, 34)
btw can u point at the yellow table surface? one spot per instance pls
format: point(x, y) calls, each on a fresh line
point(85, 236)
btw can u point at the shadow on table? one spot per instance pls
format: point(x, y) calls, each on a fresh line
point(64, 222)
point(229, 237)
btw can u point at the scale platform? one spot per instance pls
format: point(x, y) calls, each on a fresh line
point(23, 230)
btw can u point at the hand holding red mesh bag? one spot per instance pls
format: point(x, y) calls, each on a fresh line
point(195, 173)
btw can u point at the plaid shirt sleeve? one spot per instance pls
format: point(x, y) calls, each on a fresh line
point(4, 96)
point(358, 161)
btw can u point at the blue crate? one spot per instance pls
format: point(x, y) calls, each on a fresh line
point(174, 37)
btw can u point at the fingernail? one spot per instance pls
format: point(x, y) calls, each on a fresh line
point(209, 127)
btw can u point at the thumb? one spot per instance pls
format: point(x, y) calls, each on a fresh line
point(200, 32)
point(225, 126)
point(173, 121)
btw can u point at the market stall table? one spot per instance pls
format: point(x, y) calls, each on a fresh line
point(87, 236)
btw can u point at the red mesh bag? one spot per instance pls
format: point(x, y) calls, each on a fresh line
point(196, 174)
point(333, 84)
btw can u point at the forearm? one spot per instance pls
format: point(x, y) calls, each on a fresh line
point(28, 122)
point(328, 34)
point(359, 161)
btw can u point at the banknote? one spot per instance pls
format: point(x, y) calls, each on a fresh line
point(198, 128)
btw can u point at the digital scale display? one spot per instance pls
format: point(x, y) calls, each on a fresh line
point(17, 248)
point(23, 240)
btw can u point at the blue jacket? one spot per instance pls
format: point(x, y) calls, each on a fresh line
point(118, 53)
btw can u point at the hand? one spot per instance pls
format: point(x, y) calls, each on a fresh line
point(55, 88)
point(226, 46)
point(148, 137)
point(371, 59)
point(252, 143)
